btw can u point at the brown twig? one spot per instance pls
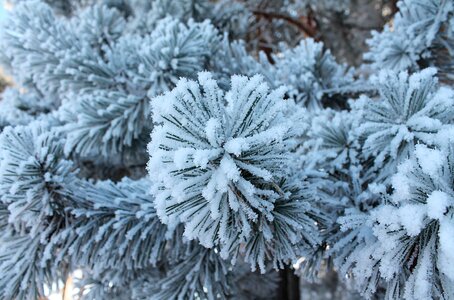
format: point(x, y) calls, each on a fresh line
point(68, 289)
point(306, 28)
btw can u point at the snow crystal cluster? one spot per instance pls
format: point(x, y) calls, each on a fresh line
point(219, 160)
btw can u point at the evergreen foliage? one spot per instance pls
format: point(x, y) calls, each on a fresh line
point(220, 172)
point(191, 149)
point(412, 110)
point(420, 29)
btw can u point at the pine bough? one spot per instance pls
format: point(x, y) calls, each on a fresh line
point(254, 161)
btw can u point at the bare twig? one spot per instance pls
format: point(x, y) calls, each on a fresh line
point(306, 28)
point(68, 289)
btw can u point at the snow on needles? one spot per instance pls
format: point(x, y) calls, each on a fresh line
point(218, 158)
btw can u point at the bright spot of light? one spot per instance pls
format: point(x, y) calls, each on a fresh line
point(78, 274)
point(386, 11)
point(54, 296)
point(298, 263)
point(8, 5)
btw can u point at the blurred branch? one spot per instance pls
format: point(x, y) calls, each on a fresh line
point(301, 24)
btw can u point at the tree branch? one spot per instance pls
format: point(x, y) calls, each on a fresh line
point(307, 29)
